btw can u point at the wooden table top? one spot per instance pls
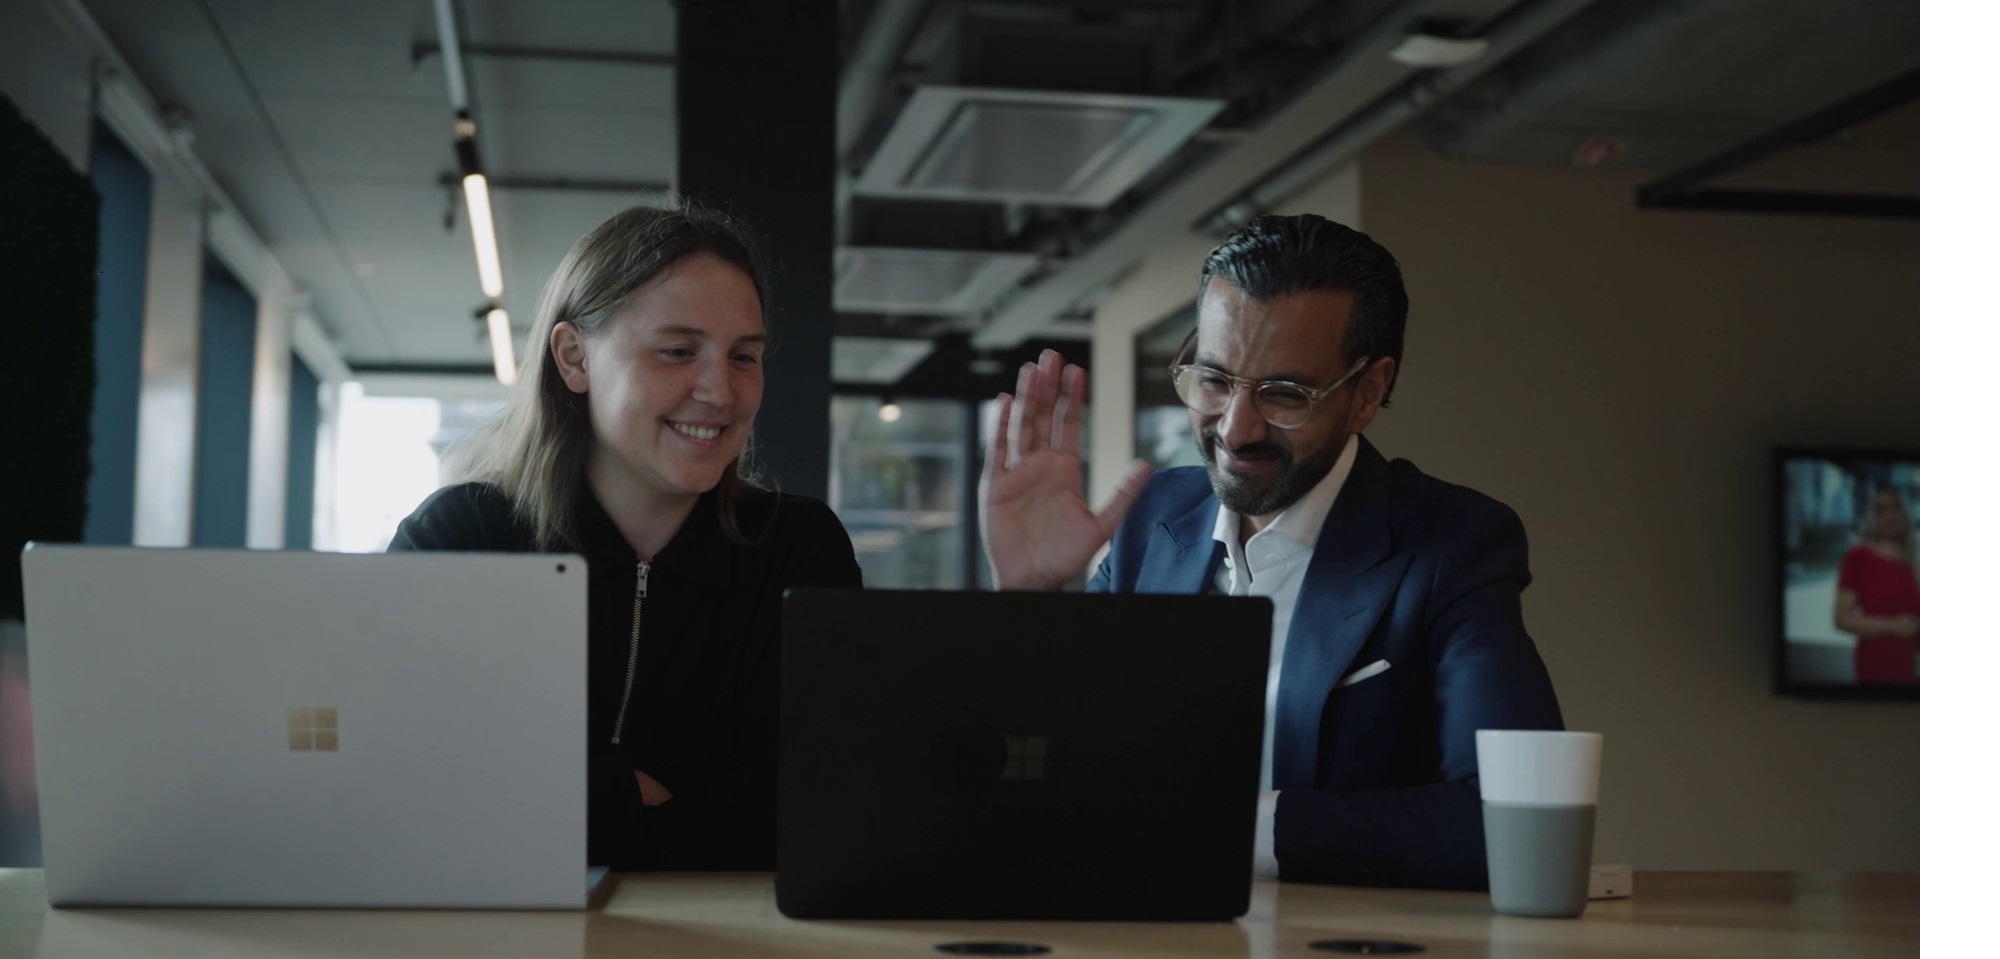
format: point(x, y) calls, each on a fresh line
point(1697, 914)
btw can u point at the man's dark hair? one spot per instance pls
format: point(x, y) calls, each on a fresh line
point(1273, 256)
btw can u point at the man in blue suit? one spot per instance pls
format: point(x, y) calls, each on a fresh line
point(1397, 625)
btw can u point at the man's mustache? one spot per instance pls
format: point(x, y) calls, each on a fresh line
point(1213, 441)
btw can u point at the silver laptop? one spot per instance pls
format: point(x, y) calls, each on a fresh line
point(240, 728)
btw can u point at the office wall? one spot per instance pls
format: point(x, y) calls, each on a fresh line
point(45, 67)
point(1618, 377)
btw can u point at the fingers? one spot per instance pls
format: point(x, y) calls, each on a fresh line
point(1047, 409)
point(1023, 440)
point(1122, 498)
point(1048, 390)
point(996, 454)
point(1069, 412)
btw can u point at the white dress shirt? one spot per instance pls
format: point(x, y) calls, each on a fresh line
point(1272, 562)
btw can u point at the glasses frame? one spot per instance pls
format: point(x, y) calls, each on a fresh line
point(1313, 396)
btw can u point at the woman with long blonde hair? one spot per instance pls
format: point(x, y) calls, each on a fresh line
point(625, 442)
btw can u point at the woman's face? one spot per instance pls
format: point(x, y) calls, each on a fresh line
point(675, 378)
point(1887, 519)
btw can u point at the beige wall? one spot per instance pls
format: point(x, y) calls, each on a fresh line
point(1618, 377)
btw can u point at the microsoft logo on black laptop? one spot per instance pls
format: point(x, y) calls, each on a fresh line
point(1027, 758)
point(962, 758)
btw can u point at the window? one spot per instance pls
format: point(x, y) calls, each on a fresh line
point(390, 455)
point(898, 482)
point(1161, 434)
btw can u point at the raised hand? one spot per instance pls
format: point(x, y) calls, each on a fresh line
point(1038, 528)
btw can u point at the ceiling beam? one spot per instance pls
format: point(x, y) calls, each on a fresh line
point(425, 49)
point(1683, 189)
point(563, 183)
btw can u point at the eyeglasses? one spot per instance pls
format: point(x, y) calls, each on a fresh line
point(1284, 405)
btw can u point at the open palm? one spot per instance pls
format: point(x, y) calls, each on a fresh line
point(1039, 529)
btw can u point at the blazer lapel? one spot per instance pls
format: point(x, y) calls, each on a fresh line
point(1183, 557)
point(1348, 585)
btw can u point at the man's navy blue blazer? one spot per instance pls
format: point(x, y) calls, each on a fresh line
point(1378, 780)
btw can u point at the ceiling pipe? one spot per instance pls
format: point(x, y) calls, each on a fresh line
point(868, 68)
point(862, 81)
point(454, 64)
point(1423, 93)
point(1370, 94)
point(421, 51)
point(1605, 36)
point(1357, 74)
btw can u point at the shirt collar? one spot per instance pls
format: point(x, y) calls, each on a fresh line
point(1301, 522)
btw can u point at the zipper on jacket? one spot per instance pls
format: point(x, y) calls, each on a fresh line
point(632, 657)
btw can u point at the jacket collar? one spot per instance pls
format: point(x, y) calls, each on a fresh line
point(1349, 582)
point(698, 553)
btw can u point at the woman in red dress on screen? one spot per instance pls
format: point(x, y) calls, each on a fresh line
point(1877, 597)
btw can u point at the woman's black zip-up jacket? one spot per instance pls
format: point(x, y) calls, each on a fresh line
point(699, 650)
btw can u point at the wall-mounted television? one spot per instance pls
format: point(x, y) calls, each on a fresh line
point(1848, 547)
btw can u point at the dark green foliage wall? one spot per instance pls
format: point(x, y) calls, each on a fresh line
point(48, 306)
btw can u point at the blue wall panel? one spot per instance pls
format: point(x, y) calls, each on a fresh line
point(124, 222)
point(222, 438)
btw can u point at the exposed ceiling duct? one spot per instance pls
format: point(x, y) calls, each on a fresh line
point(1521, 27)
point(869, 66)
point(1707, 185)
point(1362, 76)
point(1675, 80)
point(1301, 88)
point(967, 128)
point(865, 73)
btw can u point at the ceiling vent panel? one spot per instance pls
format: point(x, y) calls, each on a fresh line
point(876, 360)
point(1029, 146)
point(929, 282)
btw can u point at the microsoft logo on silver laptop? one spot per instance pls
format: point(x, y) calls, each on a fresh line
point(1027, 758)
point(314, 729)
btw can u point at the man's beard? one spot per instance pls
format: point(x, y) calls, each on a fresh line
point(1248, 496)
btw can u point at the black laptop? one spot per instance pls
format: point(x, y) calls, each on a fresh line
point(1019, 755)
